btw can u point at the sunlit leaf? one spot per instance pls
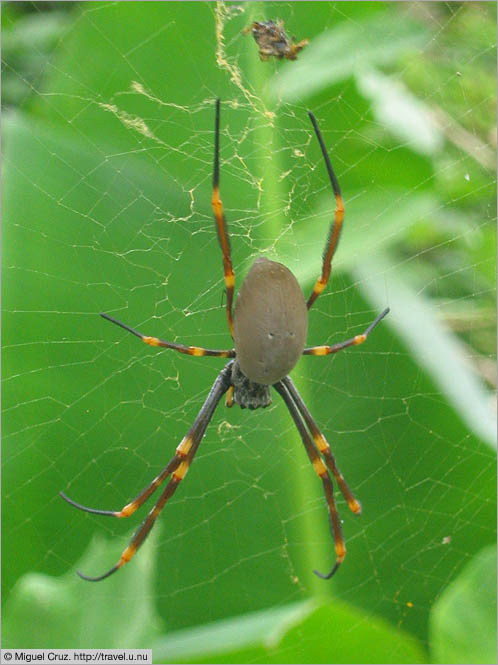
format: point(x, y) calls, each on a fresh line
point(463, 620)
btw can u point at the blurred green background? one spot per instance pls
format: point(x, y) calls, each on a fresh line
point(108, 140)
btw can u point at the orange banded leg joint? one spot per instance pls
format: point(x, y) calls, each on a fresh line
point(353, 503)
point(340, 548)
point(173, 468)
point(139, 500)
point(221, 224)
point(336, 226)
point(330, 247)
point(229, 398)
point(141, 533)
point(323, 446)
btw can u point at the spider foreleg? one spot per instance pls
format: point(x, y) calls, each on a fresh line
point(221, 223)
point(336, 226)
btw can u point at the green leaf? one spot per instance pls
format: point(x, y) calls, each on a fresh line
point(308, 632)
point(463, 620)
point(68, 612)
point(393, 105)
point(338, 53)
point(437, 348)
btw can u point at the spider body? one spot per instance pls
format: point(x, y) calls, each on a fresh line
point(270, 322)
point(269, 327)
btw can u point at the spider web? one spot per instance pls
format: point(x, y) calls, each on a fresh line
point(110, 212)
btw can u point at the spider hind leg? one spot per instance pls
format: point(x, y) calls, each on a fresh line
point(177, 468)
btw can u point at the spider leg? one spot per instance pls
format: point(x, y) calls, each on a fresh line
point(336, 226)
point(325, 350)
point(229, 398)
point(322, 445)
point(221, 223)
point(139, 500)
point(321, 471)
point(189, 350)
point(189, 446)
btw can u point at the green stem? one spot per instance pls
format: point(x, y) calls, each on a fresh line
point(305, 486)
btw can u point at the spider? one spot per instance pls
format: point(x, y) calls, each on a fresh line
point(272, 39)
point(268, 326)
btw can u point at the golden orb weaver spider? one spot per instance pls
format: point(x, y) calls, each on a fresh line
point(269, 327)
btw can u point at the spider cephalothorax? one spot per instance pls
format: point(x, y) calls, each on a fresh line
point(269, 327)
point(246, 393)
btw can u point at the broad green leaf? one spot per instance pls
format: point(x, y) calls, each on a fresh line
point(68, 612)
point(309, 632)
point(463, 620)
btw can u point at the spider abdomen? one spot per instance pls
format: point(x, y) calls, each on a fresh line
point(270, 322)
